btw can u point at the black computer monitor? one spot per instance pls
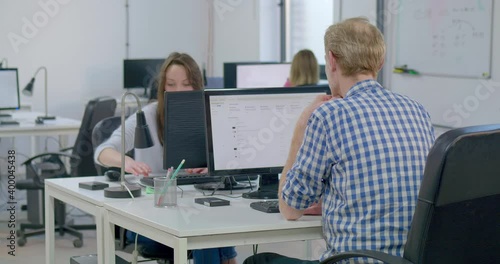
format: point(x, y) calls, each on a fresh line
point(184, 133)
point(322, 72)
point(185, 138)
point(249, 131)
point(9, 89)
point(141, 73)
point(259, 74)
point(230, 71)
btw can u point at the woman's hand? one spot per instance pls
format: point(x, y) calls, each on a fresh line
point(197, 170)
point(136, 168)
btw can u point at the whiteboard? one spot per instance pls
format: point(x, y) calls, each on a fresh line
point(445, 37)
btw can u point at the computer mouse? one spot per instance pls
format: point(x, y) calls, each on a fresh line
point(112, 175)
point(39, 120)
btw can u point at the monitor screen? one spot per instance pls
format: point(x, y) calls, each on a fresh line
point(249, 131)
point(254, 74)
point(184, 133)
point(9, 89)
point(141, 73)
point(230, 69)
point(262, 75)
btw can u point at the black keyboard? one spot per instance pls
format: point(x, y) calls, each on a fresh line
point(8, 122)
point(266, 206)
point(184, 179)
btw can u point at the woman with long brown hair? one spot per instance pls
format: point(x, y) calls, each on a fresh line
point(179, 72)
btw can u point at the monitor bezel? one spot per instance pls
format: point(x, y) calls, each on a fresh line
point(140, 62)
point(175, 159)
point(18, 92)
point(247, 91)
point(230, 68)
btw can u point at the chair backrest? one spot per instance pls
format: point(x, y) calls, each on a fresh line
point(102, 131)
point(96, 110)
point(457, 217)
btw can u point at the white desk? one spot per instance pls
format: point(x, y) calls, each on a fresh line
point(67, 191)
point(187, 226)
point(194, 226)
point(27, 127)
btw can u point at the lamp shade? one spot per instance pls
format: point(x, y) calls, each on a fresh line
point(28, 90)
point(142, 134)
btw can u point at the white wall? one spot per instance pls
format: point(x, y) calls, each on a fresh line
point(160, 27)
point(453, 102)
point(236, 32)
point(83, 44)
point(80, 46)
point(355, 8)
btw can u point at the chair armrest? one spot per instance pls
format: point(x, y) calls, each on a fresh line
point(28, 184)
point(382, 256)
point(66, 149)
point(28, 161)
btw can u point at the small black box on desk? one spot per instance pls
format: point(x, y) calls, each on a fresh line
point(211, 201)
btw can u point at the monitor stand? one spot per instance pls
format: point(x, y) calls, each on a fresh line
point(268, 188)
point(227, 183)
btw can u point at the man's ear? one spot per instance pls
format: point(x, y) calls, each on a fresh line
point(332, 61)
point(381, 64)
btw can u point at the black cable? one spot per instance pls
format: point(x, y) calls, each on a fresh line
point(255, 249)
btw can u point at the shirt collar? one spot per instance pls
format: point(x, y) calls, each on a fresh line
point(360, 86)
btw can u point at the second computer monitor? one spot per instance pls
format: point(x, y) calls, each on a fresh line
point(262, 75)
point(141, 73)
point(9, 89)
point(249, 131)
point(184, 130)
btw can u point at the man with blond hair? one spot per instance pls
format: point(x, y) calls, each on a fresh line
point(360, 153)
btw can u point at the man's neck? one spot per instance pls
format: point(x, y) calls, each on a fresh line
point(347, 82)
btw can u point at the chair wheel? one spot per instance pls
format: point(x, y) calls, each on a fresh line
point(21, 241)
point(78, 243)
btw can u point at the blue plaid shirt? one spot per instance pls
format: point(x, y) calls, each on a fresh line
point(364, 156)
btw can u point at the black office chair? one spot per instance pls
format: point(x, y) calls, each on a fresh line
point(101, 132)
point(95, 111)
point(51, 165)
point(457, 217)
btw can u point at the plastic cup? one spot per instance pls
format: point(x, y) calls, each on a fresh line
point(165, 192)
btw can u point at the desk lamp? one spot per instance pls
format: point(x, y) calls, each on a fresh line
point(28, 91)
point(142, 140)
point(2, 61)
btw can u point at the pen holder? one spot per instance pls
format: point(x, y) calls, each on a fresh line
point(165, 192)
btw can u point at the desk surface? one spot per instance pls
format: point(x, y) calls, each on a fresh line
point(186, 226)
point(187, 218)
point(70, 186)
point(191, 219)
point(27, 125)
